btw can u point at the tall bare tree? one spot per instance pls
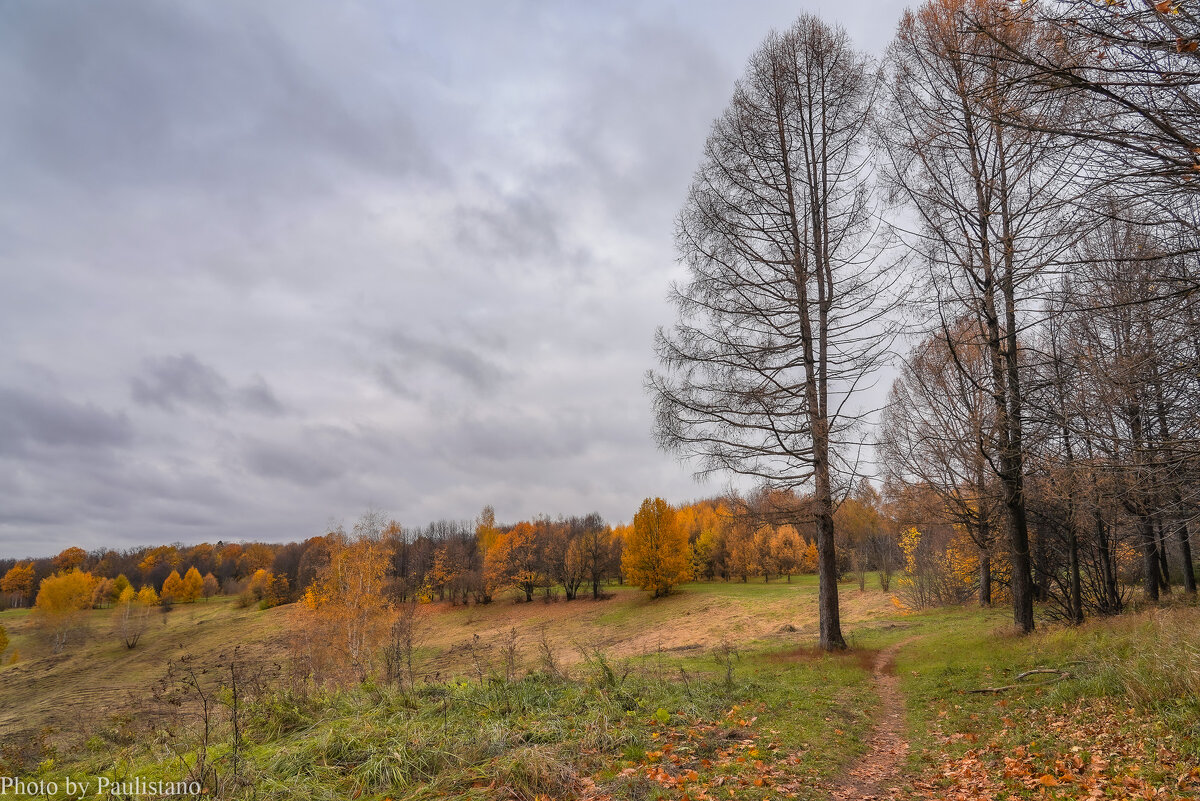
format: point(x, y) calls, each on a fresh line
point(779, 323)
point(992, 198)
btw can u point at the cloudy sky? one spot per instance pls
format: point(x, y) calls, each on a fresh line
point(267, 264)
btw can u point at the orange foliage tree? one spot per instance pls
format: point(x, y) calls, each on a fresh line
point(657, 554)
point(515, 560)
point(18, 583)
point(70, 559)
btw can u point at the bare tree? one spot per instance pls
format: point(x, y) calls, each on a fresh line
point(780, 321)
point(1136, 66)
point(993, 198)
point(939, 430)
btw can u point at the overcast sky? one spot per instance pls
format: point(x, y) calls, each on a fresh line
point(267, 264)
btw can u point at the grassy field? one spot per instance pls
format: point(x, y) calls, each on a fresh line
point(714, 692)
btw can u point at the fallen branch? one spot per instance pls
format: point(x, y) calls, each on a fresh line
point(1059, 675)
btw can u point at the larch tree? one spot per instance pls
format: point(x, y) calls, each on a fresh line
point(938, 430)
point(780, 321)
point(193, 585)
point(17, 583)
point(131, 615)
point(173, 589)
point(69, 559)
point(657, 556)
point(965, 148)
point(209, 586)
point(516, 560)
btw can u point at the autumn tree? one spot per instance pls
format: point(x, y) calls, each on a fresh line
point(209, 586)
point(172, 588)
point(971, 150)
point(131, 614)
point(17, 583)
point(341, 624)
point(69, 559)
point(657, 555)
point(788, 548)
point(61, 601)
point(593, 549)
point(780, 320)
point(118, 586)
point(1133, 69)
point(516, 560)
point(939, 430)
point(3, 641)
point(193, 585)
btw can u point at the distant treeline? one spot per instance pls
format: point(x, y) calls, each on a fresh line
point(765, 536)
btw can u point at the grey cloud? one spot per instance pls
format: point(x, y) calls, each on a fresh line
point(183, 380)
point(129, 92)
point(258, 397)
point(291, 463)
point(415, 354)
point(171, 382)
point(31, 423)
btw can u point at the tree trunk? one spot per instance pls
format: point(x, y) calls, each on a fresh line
point(985, 578)
point(827, 600)
point(1149, 557)
point(1076, 600)
point(1189, 571)
point(1163, 566)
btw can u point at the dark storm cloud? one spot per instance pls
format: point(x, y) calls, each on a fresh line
point(280, 261)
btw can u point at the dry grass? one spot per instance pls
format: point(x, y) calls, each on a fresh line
point(89, 682)
point(699, 617)
point(85, 686)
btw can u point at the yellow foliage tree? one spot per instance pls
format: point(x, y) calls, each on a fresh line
point(788, 549)
point(18, 583)
point(341, 624)
point(657, 555)
point(808, 561)
point(172, 589)
point(131, 615)
point(193, 585)
point(210, 586)
point(61, 601)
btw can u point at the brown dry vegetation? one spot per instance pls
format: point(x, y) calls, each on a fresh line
point(87, 684)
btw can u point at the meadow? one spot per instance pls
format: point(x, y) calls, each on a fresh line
point(712, 692)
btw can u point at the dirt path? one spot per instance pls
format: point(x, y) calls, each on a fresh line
point(872, 777)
